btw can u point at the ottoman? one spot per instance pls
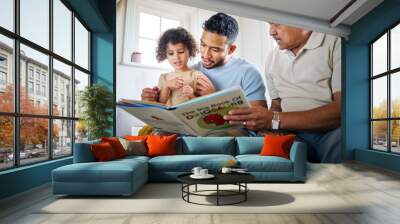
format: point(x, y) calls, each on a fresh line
point(118, 177)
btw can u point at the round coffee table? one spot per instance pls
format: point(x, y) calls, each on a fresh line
point(238, 179)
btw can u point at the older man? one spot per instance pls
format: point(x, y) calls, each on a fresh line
point(304, 81)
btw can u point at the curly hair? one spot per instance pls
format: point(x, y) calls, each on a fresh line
point(175, 36)
point(222, 24)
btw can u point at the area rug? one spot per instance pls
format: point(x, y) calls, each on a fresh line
point(167, 198)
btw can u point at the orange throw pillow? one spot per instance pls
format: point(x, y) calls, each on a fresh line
point(277, 145)
point(159, 145)
point(135, 138)
point(116, 145)
point(103, 152)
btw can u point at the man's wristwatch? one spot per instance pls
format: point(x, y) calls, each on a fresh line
point(275, 121)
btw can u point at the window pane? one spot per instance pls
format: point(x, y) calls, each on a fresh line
point(81, 81)
point(35, 21)
point(7, 14)
point(395, 94)
point(395, 47)
point(395, 136)
point(36, 64)
point(62, 133)
point(62, 89)
point(6, 142)
point(168, 23)
point(148, 49)
point(149, 26)
point(81, 45)
point(81, 131)
point(33, 139)
point(379, 100)
point(379, 55)
point(62, 29)
point(379, 135)
point(6, 74)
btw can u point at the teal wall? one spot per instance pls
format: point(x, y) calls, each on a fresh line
point(99, 16)
point(94, 13)
point(103, 52)
point(102, 58)
point(356, 100)
point(103, 64)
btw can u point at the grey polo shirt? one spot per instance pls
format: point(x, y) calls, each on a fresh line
point(308, 80)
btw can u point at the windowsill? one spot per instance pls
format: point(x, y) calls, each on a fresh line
point(25, 167)
point(373, 150)
point(146, 66)
point(378, 158)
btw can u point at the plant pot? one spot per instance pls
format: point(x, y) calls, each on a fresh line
point(136, 57)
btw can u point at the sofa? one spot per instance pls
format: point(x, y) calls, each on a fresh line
point(126, 175)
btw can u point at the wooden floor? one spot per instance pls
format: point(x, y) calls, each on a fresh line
point(377, 188)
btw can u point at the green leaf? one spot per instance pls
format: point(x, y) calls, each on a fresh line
point(97, 106)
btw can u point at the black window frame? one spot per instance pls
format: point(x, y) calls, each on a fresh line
point(388, 74)
point(16, 115)
point(3, 68)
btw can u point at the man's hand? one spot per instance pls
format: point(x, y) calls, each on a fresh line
point(175, 83)
point(204, 86)
point(188, 92)
point(150, 94)
point(254, 118)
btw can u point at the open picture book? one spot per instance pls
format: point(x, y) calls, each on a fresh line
point(200, 116)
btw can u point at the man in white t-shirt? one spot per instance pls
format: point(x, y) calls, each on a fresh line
point(304, 81)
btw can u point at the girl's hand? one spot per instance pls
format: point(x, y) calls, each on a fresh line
point(175, 83)
point(149, 94)
point(188, 91)
point(204, 85)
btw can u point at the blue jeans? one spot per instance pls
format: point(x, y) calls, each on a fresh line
point(323, 147)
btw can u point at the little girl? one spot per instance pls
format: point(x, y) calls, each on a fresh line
point(177, 46)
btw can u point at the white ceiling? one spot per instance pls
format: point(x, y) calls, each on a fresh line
point(320, 15)
point(320, 9)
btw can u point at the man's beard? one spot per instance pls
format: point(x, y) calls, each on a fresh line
point(218, 64)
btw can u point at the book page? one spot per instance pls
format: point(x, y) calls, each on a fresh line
point(205, 114)
point(141, 103)
point(158, 118)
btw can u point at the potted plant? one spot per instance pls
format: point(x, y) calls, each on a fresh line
point(97, 106)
